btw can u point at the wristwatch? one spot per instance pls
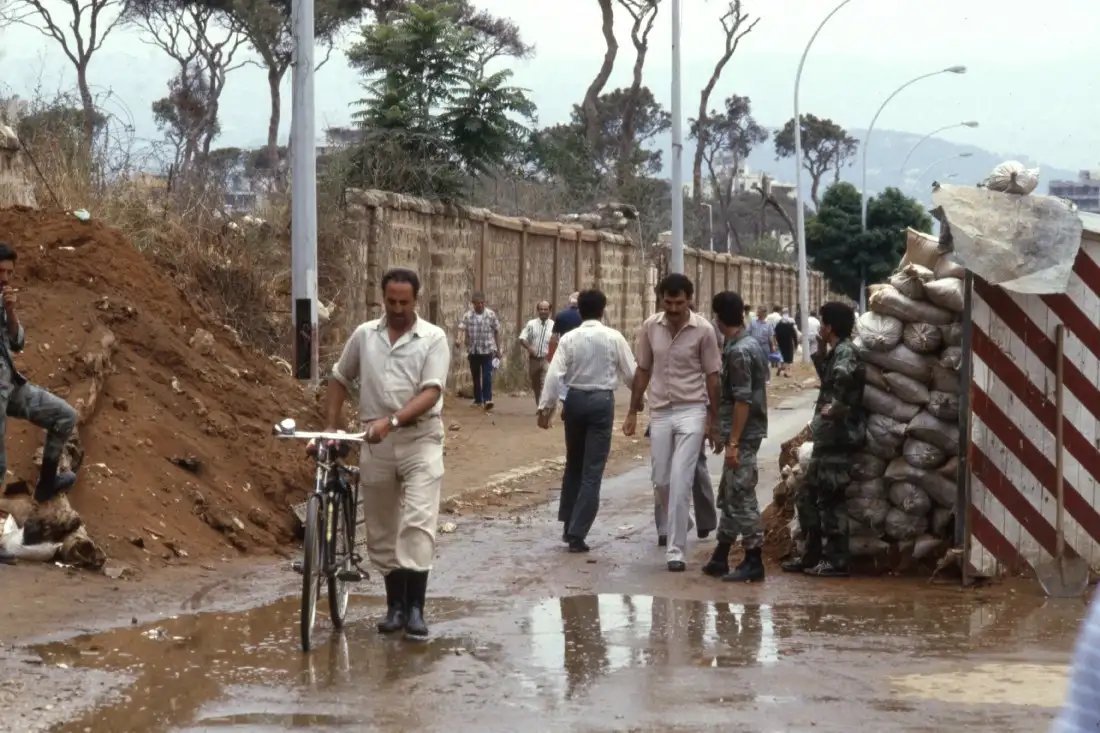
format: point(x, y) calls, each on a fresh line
point(394, 422)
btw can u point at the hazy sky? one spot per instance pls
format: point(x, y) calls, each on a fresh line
point(1032, 81)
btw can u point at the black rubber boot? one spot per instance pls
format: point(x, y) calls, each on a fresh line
point(719, 563)
point(415, 589)
point(751, 570)
point(51, 482)
point(396, 613)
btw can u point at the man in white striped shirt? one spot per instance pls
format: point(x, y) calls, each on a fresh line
point(590, 360)
point(535, 340)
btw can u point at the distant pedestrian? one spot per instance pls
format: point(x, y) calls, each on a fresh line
point(565, 321)
point(838, 430)
point(743, 424)
point(762, 331)
point(590, 360)
point(813, 328)
point(535, 340)
point(786, 338)
point(480, 328)
point(678, 364)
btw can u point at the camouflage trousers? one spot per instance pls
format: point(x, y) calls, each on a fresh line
point(737, 500)
point(821, 506)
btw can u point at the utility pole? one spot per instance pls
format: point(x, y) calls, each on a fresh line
point(677, 262)
point(303, 197)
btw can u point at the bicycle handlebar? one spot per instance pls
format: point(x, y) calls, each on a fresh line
point(339, 437)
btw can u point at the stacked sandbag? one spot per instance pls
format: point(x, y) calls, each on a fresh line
point(903, 482)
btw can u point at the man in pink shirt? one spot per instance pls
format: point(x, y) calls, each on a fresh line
point(678, 365)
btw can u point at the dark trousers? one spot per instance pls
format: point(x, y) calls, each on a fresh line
point(589, 417)
point(481, 369)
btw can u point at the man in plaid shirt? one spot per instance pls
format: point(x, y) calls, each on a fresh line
point(480, 328)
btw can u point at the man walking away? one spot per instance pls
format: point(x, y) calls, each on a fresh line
point(565, 321)
point(481, 329)
point(763, 332)
point(19, 398)
point(838, 430)
point(743, 420)
point(589, 362)
point(678, 364)
point(400, 362)
point(786, 338)
point(535, 340)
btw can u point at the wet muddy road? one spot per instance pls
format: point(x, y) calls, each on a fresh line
point(528, 637)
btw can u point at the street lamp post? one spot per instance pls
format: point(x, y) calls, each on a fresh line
point(800, 214)
point(677, 263)
point(924, 172)
point(866, 144)
point(926, 137)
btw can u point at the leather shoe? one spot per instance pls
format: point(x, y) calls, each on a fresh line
point(676, 566)
point(576, 545)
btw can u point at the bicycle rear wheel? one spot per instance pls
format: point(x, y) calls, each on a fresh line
point(311, 569)
point(340, 546)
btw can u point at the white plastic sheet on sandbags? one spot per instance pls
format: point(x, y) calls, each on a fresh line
point(910, 498)
point(1023, 244)
point(883, 403)
point(940, 489)
point(909, 280)
point(946, 293)
point(872, 489)
point(945, 380)
point(902, 359)
point(889, 301)
point(873, 375)
point(902, 526)
point(907, 389)
point(879, 332)
point(948, 266)
point(871, 512)
point(951, 358)
point(944, 406)
point(885, 436)
point(923, 455)
point(952, 334)
point(931, 429)
point(11, 541)
point(923, 338)
point(805, 453)
point(866, 467)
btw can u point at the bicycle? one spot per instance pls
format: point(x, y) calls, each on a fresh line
point(328, 549)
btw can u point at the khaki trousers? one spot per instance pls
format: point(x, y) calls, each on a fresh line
point(536, 371)
point(399, 484)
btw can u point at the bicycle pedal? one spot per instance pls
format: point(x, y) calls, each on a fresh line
point(350, 576)
point(296, 566)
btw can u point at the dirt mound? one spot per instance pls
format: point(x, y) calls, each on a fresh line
point(155, 381)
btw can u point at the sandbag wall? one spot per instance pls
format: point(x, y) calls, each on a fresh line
point(903, 491)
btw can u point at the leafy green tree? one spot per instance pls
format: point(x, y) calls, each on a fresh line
point(432, 116)
point(845, 254)
point(826, 146)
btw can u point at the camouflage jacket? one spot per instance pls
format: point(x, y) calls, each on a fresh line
point(842, 379)
point(744, 379)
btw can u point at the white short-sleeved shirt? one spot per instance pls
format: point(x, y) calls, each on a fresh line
point(389, 375)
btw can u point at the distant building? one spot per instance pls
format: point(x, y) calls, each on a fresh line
point(1085, 191)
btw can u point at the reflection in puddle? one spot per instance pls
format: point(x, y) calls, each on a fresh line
point(600, 659)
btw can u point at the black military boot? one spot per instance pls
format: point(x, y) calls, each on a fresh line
point(809, 559)
point(415, 589)
point(751, 569)
point(51, 482)
point(396, 613)
point(719, 563)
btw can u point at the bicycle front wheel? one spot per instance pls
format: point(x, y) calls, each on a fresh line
point(311, 569)
point(341, 545)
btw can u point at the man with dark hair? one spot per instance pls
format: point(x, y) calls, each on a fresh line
point(535, 340)
point(481, 329)
point(743, 420)
point(838, 431)
point(678, 364)
point(400, 363)
point(19, 398)
point(590, 361)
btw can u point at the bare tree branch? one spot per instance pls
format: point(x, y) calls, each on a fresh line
point(644, 14)
point(591, 97)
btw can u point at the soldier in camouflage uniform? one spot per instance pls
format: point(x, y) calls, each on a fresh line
point(743, 424)
point(838, 431)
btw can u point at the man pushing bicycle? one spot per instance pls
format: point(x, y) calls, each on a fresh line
point(400, 363)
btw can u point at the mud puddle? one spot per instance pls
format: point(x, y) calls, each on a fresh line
point(591, 662)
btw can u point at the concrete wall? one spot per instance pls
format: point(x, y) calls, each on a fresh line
point(15, 189)
point(517, 262)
